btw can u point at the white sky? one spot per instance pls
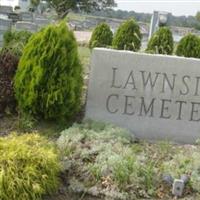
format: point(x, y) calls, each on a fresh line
point(176, 7)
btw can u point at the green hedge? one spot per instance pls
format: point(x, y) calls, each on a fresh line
point(29, 167)
point(128, 36)
point(189, 46)
point(101, 37)
point(161, 42)
point(48, 82)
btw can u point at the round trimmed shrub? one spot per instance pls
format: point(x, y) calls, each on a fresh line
point(128, 36)
point(189, 46)
point(29, 167)
point(101, 37)
point(8, 67)
point(48, 82)
point(161, 42)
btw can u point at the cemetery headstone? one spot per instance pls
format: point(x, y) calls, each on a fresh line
point(157, 97)
point(41, 21)
point(26, 16)
point(14, 17)
point(20, 25)
point(6, 9)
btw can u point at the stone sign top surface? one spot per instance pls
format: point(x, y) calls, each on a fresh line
point(155, 96)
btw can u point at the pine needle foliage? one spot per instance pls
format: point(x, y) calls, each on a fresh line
point(15, 41)
point(101, 37)
point(48, 82)
point(189, 46)
point(128, 36)
point(29, 167)
point(161, 42)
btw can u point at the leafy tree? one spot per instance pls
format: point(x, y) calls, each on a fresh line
point(161, 42)
point(128, 36)
point(189, 46)
point(63, 7)
point(48, 82)
point(101, 37)
point(35, 3)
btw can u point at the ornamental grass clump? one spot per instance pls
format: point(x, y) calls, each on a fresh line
point(29, 167)
point(189, 46)
point(161, 42)
point(48, 83)
point(101, 37)
point(128, 36)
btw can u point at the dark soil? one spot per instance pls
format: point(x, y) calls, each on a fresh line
point(65, 194)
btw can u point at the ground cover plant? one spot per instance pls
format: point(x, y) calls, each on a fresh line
point(29, 167)
point(48, 82)
point(106, 161)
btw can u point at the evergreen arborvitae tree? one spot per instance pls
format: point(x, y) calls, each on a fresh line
point(189, 46)
point(101, 37)
point(161, 42)
point(48, 82)
point(128, 36)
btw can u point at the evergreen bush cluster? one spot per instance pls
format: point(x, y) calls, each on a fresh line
point(16, 40)
point(189, 46)
point(128, 36)
point(29, 167)
point(101, 37)
point(161, 42)
point(8, 67)
point(48, 82)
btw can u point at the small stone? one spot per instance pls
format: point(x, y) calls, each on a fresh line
point(178, 187)
point(167, 178)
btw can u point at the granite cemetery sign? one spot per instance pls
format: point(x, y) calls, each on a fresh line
point(155, 96)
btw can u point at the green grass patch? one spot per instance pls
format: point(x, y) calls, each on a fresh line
point(74, 16)
point(85, 53)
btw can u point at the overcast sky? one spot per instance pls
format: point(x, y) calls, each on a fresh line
point(176, 7)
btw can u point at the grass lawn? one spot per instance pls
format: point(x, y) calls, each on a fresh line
point(85, 54)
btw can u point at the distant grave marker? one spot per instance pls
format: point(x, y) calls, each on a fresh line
point(26, 16)
point(6, 10)
point(155, 96)
point(28, 26)
point(41, 21)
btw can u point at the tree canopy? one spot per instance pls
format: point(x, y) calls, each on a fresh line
point(62, 7)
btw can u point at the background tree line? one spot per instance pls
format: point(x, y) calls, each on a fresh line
point(182, 21)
